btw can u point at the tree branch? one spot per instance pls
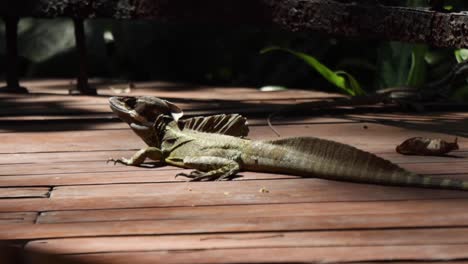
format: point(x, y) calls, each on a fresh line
point(331, 17)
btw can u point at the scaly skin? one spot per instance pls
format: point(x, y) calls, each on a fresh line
point(220, 157)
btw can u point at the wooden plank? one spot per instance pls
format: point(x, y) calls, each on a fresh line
point(430, 118)
point(219, 193)
point(61, 157)
point(58, 89)
point(71, 168)
point(69, 141)
point(24, 192)
point(379, 138)
point(17, 218)
point(28, 107)
point(301, 254)
point(453, 157)
point(235, 224)
point(290, 217)
point(279, 189)
point(355, 238)
point(47, 123)
point(435, 207)
point(437, 167)
point(165, 174)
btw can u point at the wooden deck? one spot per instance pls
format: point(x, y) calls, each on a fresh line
point(58, 195)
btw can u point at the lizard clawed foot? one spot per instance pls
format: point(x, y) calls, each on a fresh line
point(192, 175)
point(123, 161)
point(206, 176)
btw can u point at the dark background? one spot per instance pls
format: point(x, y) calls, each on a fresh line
point(207, 54)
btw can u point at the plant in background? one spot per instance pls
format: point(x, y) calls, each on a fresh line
point(341, 79)
point(461, 93)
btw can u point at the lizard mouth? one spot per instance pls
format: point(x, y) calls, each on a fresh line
point(122, 104)
point(124, 108)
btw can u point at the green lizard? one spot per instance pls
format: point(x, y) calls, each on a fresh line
point(216, 148)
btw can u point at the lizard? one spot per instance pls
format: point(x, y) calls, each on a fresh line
point(216, 148)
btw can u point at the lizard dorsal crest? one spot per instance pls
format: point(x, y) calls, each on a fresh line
point(231, 125)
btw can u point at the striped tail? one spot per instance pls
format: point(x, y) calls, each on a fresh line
point(402, 177)
point(308, 156)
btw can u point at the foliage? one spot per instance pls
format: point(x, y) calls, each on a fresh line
point(418, 68)
point(340, 79)
point(461, 55)
point(146, 50)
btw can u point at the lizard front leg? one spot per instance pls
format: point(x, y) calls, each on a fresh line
point(139, 157)
point(210, 168)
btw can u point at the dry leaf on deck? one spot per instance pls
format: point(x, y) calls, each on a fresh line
point(426, 146)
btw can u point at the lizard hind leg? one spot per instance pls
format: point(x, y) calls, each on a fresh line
point(208, 168)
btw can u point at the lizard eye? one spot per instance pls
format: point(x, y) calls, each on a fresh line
point(130, 102)
point(171, 140)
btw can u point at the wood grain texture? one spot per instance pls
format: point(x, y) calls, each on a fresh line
point(435, 207)
point(104, 213)
point(24, 192)
point(123, 175)
point(404, 254)
point(18, 218)
point(357, 238)
point(218, 193)
point(290, 217)
point(378, 138)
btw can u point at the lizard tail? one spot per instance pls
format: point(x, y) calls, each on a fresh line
point(402, 177)
point(308, 156)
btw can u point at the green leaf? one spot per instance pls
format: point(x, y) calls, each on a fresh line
point(435, 57)
point(461, 55)
point(449, 7)
point(351, 83)
point(418, 69)
point(394, 64)
point(345, 81)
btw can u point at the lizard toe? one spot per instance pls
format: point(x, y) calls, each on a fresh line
point(120, 161)
point(115, 161)
point(192, 175)
point(182, 175)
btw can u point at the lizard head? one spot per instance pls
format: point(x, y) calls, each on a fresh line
point(143, 109)
point(146, 115)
